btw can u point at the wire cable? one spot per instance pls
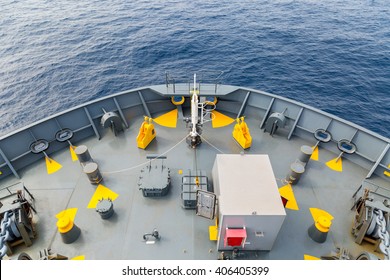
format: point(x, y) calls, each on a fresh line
point(208, 142)
point(146, 162)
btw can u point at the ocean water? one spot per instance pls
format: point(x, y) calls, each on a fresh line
point(334, 55)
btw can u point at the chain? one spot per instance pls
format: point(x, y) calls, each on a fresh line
point(383, 233)
point(4, 234)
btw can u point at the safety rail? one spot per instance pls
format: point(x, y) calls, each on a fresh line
point(204, 77)
point(373, 150)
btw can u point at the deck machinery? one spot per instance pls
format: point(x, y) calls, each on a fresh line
point(228, 180)
point(372, 219)
point(16, 212)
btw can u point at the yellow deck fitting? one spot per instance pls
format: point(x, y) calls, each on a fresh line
point(315, 154)
point(213, 231)
point(322, 219)
point(102, 192)
point(220, 120)
point(211, 100)
point(52, 166)
point(73, 153)
point(310, 258)
point(177, 100)
point(78, 258)
point(336, 164)
point(146, 133)
point(70, 212)
point(318, 231)
point(168, 119)
point(64, 224)
point(387, 173)
point(241, 133)
point(194, 91)
point(180, 171)
point(323, 223)
point(288, 193)
point(68, 230)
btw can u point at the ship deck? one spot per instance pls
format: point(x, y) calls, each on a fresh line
point(183, 234)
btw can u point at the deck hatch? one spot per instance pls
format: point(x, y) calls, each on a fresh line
point(205, 204)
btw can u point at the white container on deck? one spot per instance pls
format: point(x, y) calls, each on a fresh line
point(250, 209)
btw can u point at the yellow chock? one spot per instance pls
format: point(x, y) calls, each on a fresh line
point(73, 153)
point(288, 193)
point(101, 192)
point(177, 100)
point(315, 154)
point(241, 133)
point(168, 119)
point(52, 166)
point(336, 164)
point(146, 133)
point(387, 173)
point(220, 120)
point(310, 258)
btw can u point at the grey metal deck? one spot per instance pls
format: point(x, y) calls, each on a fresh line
point(184, 235)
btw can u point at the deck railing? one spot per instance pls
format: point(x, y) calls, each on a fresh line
point(373, 150)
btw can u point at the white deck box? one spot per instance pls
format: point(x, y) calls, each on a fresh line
point(250, 209)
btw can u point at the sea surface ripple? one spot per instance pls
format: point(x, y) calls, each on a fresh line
point(334, 55)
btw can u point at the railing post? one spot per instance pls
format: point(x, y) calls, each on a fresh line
point(9, 164)
point(378, 161)
point(92, 123)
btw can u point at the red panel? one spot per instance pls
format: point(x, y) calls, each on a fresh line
point(235, 237)
point(284, 201)
point(234, 241)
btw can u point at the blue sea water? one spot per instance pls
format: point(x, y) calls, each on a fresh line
point(334, 55)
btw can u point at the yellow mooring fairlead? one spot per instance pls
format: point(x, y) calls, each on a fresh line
point(146, 133)
point(241, 133)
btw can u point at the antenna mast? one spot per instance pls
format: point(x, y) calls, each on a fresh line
point(194, 138)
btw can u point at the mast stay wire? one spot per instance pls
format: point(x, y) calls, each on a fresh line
point(146, 162)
